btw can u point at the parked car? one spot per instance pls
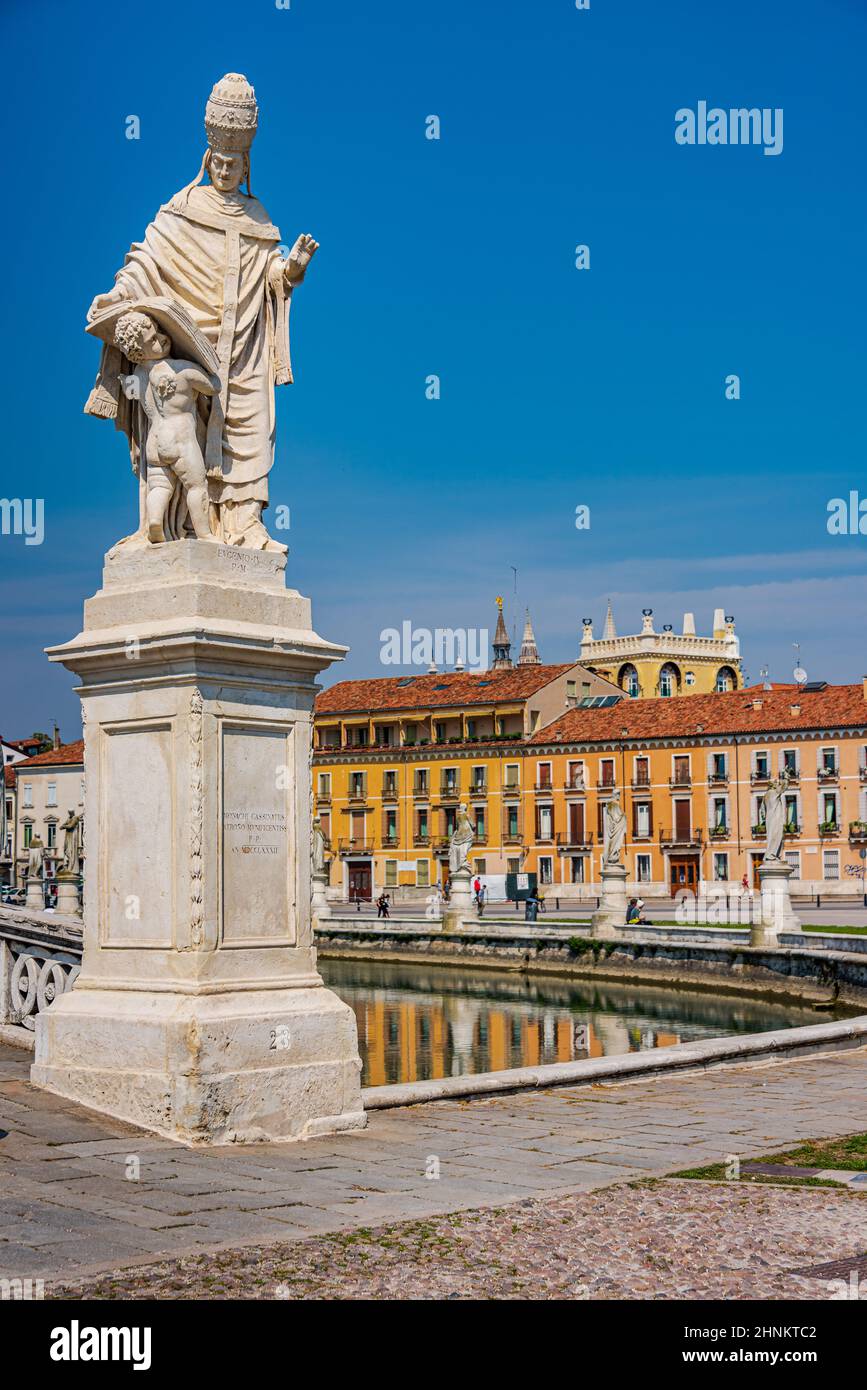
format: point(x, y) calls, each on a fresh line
point(13, 897)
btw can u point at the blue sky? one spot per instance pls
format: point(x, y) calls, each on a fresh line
point(456, 257)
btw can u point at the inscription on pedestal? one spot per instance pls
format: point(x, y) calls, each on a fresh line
point(257, 840)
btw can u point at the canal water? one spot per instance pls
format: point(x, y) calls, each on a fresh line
point(417, 1022)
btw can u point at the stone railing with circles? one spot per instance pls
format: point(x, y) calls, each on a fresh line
point(37, 964)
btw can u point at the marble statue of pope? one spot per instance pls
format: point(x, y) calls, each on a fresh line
point(215, 251)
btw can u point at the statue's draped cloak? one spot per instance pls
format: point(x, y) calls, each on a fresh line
point(217, 255)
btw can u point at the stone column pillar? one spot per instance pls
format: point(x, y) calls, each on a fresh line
point(609, 919)
point(199, 1012)
point(34, 898)
point(67, 894)
point(776, 905)
point(460, 903)
point(319, 904)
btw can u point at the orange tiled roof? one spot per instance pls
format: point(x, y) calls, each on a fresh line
point(9, 775)
point(67, 754)
point(448, 688)
point(687, 716)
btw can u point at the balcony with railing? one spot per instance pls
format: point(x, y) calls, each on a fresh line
point(389, 791)
point(544, 787)
point(323, 797)
point(574, 842)
point(858, 832)
point(357, 791)
point(828, 829)
point(717, 779)
point(354, 844)
point(760, 777)
point(719, 832)
point(607, 783)
point(449, 791)
point(677, 837)
point(479, 787)
point(421, 839)
point(828, 774)
point(641, 782)
point(681, 781)
point(421, 788)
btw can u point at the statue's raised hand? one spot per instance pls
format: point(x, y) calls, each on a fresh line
point(105, 301)
point(299, 258)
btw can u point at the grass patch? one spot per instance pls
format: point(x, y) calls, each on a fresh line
point(848, 1153)
point(841, 931)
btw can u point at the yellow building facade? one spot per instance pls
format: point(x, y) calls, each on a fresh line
point(690, 774)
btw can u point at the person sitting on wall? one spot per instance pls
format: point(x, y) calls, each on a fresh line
point(633, 914)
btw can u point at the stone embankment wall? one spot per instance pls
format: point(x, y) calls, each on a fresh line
point(822, 977)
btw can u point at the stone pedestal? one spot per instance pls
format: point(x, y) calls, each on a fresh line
point(319, 904)
point(776, 905)
point(460, 903)
point(609, 919)
point(34, 898)
point(67, 894)
point(199, 1013)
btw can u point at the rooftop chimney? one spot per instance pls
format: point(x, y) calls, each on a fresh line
point(689, 624)
point(719, 622)
point(56, 737)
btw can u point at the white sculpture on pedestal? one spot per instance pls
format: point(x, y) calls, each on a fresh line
point(460, 893)
point(774, 873)
point(610, 916)
point(199, 1012)
point(35, 897)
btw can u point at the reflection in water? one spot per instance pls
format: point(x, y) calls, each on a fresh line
point(417, 1021)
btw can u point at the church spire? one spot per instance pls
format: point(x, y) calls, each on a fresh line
point(502, 646)
point(610, 629)
point(529, 654)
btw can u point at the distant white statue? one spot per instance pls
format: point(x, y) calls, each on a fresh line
point(614, 832)
point(71, 828)
point(35, 859)
point(321, 846)
point(774, 803)
point(461, 842)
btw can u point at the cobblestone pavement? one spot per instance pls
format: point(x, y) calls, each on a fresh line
point(82, 1194)
point(665, 1239)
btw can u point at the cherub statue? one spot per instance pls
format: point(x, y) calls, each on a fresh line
point(166, 388)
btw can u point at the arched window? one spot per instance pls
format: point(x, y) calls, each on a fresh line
point(669, 679)
point(628, 681)
point(726, 679)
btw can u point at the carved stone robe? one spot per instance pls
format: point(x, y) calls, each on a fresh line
point(217, 255)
